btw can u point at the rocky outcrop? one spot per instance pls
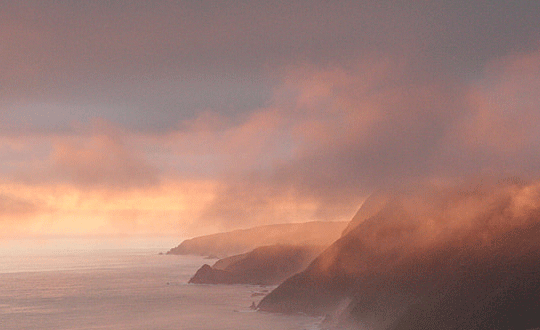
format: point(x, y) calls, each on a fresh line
point(209, 275)
point(429, 258)
point(268, 265)
point(244, 240)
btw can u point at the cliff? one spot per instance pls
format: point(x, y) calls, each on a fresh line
point(428, 258)
point(244, 240)
point(268, 265)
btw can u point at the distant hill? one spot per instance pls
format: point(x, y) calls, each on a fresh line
point(267, 265)
point(236, 242)
point(428, 258)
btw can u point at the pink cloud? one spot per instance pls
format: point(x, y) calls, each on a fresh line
point(16, 207)
point(375, 125)
point(504, 118)
point(101, 158)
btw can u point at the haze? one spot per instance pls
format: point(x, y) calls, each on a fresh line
point(190, 117)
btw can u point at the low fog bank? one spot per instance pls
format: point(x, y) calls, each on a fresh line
point(431, 257)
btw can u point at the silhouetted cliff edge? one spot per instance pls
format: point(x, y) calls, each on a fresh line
point(429, 258)
point(267, 265)
point(244, 240)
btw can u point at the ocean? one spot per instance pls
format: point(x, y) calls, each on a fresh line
point(125, 289)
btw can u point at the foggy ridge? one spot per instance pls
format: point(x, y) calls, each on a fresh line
point(428, 258)
point(221, 245)
point(267, 265)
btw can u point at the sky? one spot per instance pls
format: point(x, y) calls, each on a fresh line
point(122, 118)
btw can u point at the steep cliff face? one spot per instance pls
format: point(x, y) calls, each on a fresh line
point(423, 260)
point(242, 241)
point(268, 265)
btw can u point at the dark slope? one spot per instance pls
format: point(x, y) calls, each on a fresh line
point(245, 240)
point(429, 259)
point(268, 265)
point(491, 287)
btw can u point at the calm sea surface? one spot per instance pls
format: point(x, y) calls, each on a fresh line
point(124, 289)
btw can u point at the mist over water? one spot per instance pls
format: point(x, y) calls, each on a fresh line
point(124, 289)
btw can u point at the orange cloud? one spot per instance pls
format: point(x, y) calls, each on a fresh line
point(16, 213)
point(101, 159)
point(505, 106)
point(210, 145)
point(62, 209)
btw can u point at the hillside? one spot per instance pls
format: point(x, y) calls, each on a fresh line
point(268, 265)
point(429, 258)
point(244, 240)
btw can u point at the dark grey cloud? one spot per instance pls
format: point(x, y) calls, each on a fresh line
point(149, 65)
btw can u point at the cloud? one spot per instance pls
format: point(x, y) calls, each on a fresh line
point(212, 145)
point(378, 125)
point(149, 66)
point(329, 137)
point(16, 207)
point(292, 111)
point(170, 208)
point(101, 159)
point(353, 130)
point(507, 103)
point(17, 213)
point(500, 130)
